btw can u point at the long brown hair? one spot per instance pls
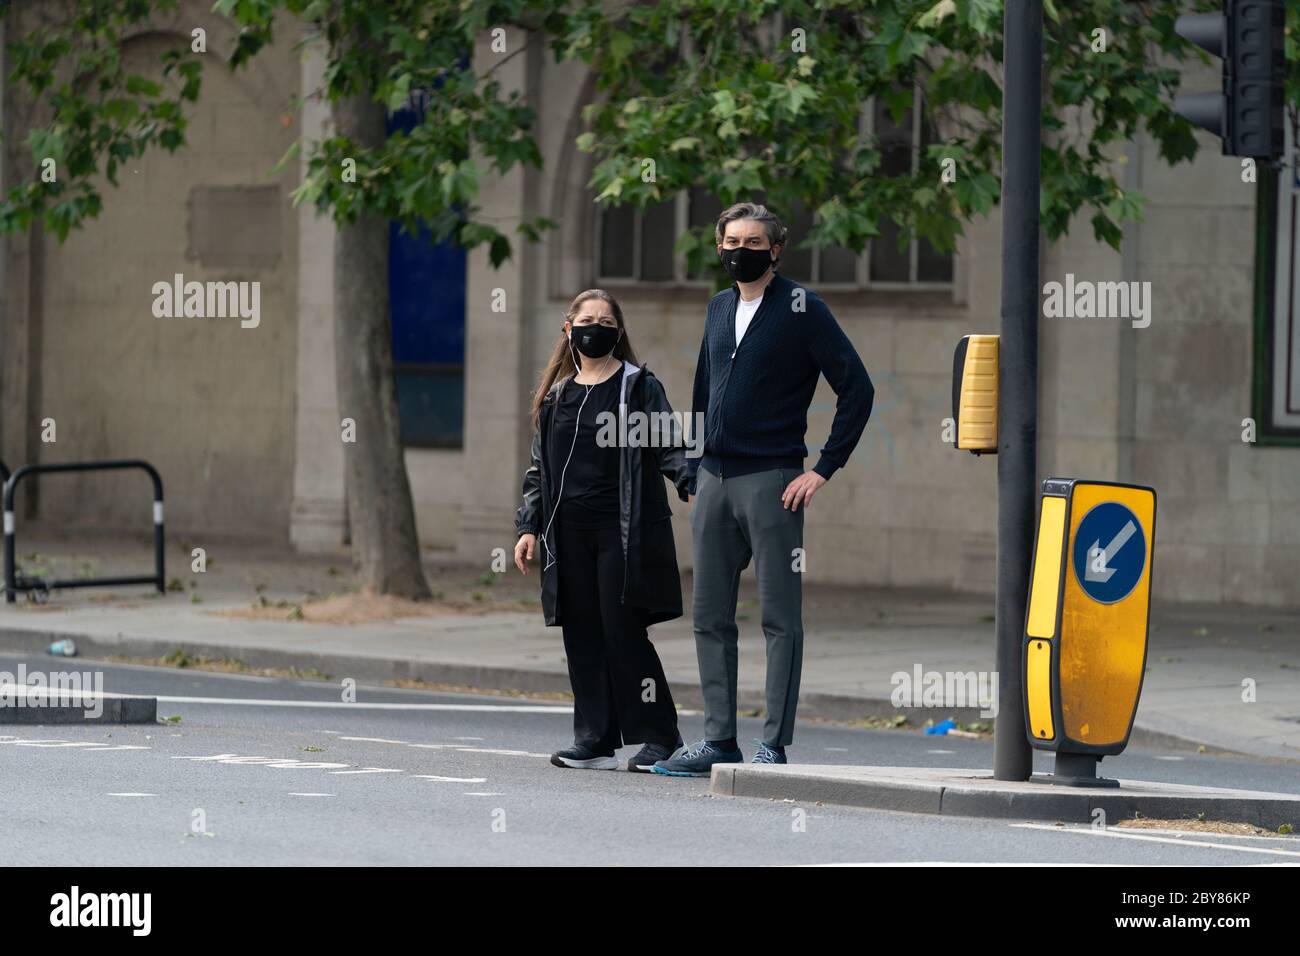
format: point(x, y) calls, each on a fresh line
point(560, 364)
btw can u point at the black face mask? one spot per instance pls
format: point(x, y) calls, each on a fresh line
point(746, 265)
point(594, 340)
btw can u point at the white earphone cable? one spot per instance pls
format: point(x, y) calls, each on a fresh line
point(552, 555)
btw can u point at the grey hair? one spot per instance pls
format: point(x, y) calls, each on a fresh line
point(773, 226)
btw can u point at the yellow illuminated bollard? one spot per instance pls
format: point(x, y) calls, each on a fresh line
point(975, 394)
point(1087, 622)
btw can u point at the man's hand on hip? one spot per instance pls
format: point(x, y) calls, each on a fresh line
point(801, 490)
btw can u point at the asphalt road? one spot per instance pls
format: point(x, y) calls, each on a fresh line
point(269, 771)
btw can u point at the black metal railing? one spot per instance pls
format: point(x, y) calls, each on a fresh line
point(15, 583)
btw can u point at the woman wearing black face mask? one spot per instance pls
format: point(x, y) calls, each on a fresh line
point(595, 514)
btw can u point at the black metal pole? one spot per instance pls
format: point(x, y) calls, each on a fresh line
point(1017, 369)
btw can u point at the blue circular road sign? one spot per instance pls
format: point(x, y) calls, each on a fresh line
point(1110, 552)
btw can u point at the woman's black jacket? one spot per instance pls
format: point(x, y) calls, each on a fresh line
point(651, 581)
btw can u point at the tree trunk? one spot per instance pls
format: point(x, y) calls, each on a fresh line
point(385, 547)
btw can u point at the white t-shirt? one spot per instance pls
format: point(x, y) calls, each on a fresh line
point(744, 313)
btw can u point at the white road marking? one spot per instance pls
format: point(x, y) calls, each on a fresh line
point(18, 742)
point(310, 794)
point(1170, 758)
point(89, 746)
point(912, 863)
point(482, 793)
point(941, 751)
point(1293, 841)
point(472, 750)
point(1112, 832)
point(368, 770)
point(374, 740)
point(427, 776)
point(130, 794)
point(279, 763)
point(472, 708)
point(65, 695)
point(478, 750)
point(839, 750)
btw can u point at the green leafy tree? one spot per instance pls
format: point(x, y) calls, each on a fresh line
point(82, 109)
point(378, 56)
point(767, 96)
point(739, 99)
point(89, 115)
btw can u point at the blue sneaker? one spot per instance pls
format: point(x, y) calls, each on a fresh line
point(765, 754)
point(697, 760)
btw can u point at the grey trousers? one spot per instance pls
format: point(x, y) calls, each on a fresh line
point(732, 520)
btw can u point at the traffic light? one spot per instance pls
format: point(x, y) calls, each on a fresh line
point(1247, 113)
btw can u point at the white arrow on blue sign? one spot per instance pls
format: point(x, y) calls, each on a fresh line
point(1110, 552)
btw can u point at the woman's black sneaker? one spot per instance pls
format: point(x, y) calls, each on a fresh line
point(584, 758)
point(644, 761)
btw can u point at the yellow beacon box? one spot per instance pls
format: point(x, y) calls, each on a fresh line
point(1086, 625)
point(975, 394)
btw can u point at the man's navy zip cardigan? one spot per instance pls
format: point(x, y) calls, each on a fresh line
point(755, 396)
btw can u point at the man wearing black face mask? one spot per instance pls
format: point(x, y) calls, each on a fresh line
point(767, 341)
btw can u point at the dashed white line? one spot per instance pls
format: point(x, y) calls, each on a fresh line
point(276, 763)
point(374, 740)
point(1113, 833)
point(86, 746)
point(428, 776)
point(51, 742)
point(358, 705)
point(368, 770)
point(130, 794)
point(310, 794)
point(962, 863)
point(1220, 836)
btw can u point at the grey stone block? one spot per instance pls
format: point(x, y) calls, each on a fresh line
point(964, 793)
point(114, 709)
